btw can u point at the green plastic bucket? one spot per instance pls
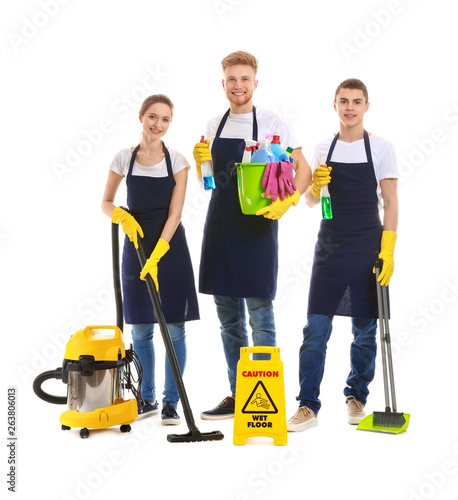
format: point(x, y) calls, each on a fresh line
point(249, 186)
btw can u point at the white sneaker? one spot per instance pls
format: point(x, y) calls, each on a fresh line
point(303, 419)
point(355, 411)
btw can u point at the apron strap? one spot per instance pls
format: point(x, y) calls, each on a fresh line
point(132, 161)
point(331, 149)
point(168, 161)
point(255, 126)
point(224, 119)
point(366, 145)
point(368, 148)
point(221, 124)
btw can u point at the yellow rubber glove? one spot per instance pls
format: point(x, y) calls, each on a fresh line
point(201, 153)
point(320, 176)
point(279, 207)
point(150, 266)
point(129, 225)
point(387, 256)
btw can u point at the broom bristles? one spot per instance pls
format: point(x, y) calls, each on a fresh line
point(388, 419)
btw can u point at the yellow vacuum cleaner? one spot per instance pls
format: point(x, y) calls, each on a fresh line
point(96, 369)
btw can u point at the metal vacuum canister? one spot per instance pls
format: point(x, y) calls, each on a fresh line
point(93, 368)
point(102, 388)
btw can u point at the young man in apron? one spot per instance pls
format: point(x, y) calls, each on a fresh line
point(239, 260)
point(361, 171)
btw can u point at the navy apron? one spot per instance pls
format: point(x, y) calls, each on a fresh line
point(239, 252)
point(342, 281)
point(148, 199)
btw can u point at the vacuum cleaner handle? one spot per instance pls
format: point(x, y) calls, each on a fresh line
point(157, 306)
point(56, 400)
point(194, 434)
point(117, 275)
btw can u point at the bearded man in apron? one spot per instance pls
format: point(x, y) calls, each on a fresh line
point(239, 260)
point(361, 171)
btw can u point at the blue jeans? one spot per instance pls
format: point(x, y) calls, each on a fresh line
point(231, 314)
point(142, 336)
point(312, 356)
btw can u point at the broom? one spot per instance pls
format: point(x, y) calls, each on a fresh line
point(389, 420)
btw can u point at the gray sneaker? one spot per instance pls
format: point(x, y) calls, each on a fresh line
point(303, 419)
point(355, 411)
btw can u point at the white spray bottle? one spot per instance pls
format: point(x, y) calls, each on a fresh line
point(250, 146)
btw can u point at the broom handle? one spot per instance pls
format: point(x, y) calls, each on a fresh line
point(388, 347)
point(378, 263)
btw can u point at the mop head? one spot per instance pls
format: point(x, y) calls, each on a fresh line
point(385, 421)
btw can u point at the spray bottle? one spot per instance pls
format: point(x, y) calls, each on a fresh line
point(326, 209)
point(250, 146)
point(263, 154)
point(207, 172)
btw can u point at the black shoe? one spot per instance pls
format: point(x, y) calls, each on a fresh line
point(169, 415)
point(225, 409)
point(148, 410)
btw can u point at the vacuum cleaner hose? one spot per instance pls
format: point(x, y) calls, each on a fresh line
point(117, 276)
point(56, 400)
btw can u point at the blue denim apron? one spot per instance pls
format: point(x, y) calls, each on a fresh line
point(148, 199)
point(239, 252)
point(342, 281)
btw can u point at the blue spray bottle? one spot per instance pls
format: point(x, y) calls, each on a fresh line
point(207, 172)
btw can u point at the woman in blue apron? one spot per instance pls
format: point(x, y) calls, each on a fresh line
point(239, 263)
point(155, 197)
point(342, 284)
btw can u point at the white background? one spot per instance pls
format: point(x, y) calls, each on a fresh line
point(67, 69)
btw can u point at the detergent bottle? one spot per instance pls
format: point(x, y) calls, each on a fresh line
point(207, 172)
point(279, 153)
point(289, 152)
point(263, 154)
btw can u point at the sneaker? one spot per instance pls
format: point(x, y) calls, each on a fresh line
point(169, 415)
point(355, 411)
point(148, 410)
point(225, 409)
point(303, 419)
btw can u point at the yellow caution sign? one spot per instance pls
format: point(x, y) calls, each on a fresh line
point(260, 397)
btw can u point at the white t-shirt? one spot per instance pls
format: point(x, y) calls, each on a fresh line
point(382, 151)
point(240, 126)
point(121, 163)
